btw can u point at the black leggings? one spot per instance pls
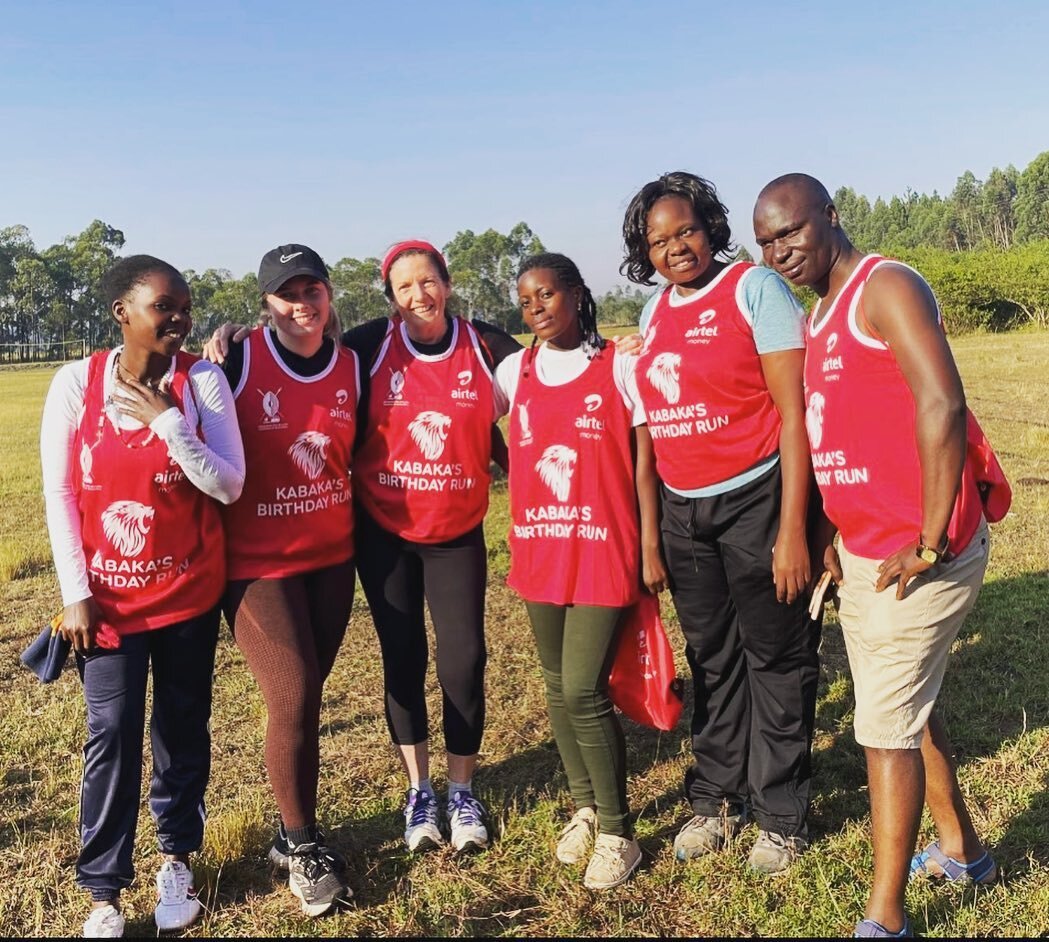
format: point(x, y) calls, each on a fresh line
point(397, 575)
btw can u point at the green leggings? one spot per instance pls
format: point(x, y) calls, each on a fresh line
point(576, 650)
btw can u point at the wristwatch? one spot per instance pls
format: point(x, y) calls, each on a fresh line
point(930, 554)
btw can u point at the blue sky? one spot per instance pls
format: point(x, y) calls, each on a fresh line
point(211, 132)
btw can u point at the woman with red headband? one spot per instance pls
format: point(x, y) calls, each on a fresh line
point(421, 478)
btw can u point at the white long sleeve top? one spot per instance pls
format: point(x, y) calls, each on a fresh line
point(214, 464)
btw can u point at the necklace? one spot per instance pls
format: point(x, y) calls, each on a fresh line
point(111, 410)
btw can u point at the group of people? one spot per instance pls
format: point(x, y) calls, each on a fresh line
point(719, 457)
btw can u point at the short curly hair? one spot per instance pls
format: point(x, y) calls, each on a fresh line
point(128, 272)
point(703, 198)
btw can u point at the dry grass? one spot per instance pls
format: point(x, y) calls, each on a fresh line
point(996, 703)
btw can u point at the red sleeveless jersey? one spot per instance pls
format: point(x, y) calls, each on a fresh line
point(153, 542)
point(422, 469)
point(699, 376)
point(861, 425)
point(574, 535)
point(295, 513)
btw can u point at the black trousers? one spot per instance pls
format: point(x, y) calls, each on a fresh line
point(397, 576)
point(182, 658)
point(754, 660)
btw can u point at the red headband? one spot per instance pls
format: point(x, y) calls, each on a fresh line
point(401, 247)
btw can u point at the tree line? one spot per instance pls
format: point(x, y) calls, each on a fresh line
point(984, 248)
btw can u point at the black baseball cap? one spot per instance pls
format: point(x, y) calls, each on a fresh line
point(287, 261)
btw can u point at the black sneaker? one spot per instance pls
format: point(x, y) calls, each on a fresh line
point(314, 881)
point(278, 855)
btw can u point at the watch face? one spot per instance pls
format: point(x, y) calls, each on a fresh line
point(929, 555)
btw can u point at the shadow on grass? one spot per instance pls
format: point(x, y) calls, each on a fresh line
point(1025, 844)
point(996, 688)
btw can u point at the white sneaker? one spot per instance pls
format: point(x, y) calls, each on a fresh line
point(577, 837)
point(466, 822)
point(177, 903)
point(105, 922)
point(614, 859)
point(421, 821)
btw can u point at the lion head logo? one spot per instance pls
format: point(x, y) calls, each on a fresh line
point(309, 452)
point(555, 469)
point(663, 374)
point(125, 524)
point(429, 431)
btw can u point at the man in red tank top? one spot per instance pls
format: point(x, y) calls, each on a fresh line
point(896, 489)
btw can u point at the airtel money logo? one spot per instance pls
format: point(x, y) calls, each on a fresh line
point(832, 364)
point(341, 398)
point(591, 423)
point(470, 395)
point(702, 332)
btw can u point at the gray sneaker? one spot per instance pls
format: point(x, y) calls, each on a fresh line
point(704, 834)
point(312, 878)
point(774, 853)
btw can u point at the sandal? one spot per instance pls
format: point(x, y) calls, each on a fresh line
point(869, 929)
point(934, 863)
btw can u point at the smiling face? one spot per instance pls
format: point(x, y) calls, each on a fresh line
point(678, 244)
point(154, 314)
point(797, 234)
point(420, 294)
point(299, 310)
point(550, 310)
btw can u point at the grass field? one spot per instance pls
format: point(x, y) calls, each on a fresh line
point(995, 702)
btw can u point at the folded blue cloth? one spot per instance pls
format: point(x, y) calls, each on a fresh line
point(46, 655)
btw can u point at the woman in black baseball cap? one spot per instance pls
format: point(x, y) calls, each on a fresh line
point(290, 541)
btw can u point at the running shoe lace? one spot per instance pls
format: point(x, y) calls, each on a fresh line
point(315, 863)
point(465, 809)
point(423, 810)
point(174, 884)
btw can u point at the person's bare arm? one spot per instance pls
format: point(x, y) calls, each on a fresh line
point(901, 309)
point(500, 453)
point(217, 345)
point(784, 376)
point(646, 482)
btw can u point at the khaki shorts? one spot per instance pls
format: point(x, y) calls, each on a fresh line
point(898, 649)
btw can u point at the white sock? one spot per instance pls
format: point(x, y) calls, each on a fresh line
point(423, 786)
point(454, 787)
